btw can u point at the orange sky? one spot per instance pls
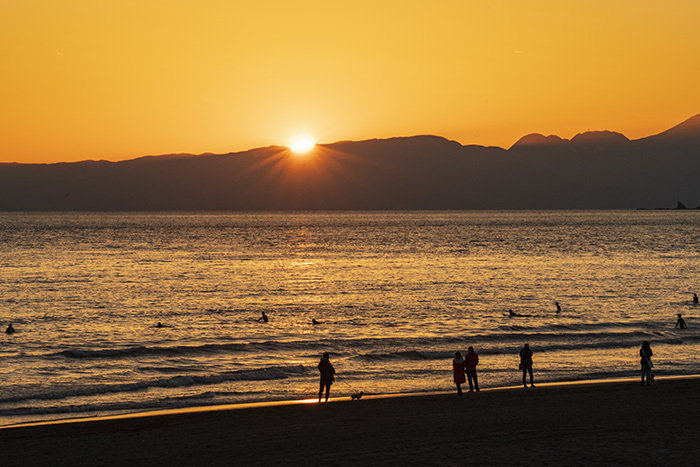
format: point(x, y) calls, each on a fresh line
point(99, 79)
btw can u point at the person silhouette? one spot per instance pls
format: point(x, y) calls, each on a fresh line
point(263, 318)
point(471, 360)
point(327, 376)
point(645, 353)
point(681, 322)
point(558, 307)
point(512, 314)
point(314, 322)
point(695, 299)
point(10, 329)
point(160, 325)
point(458, 367)
point(526, 364)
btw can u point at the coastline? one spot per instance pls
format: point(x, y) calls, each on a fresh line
point(286, 403)
point(580, 423)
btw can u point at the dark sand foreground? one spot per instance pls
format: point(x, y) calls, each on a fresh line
point(617, 423)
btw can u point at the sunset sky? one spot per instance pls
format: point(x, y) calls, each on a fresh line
point(98, 79)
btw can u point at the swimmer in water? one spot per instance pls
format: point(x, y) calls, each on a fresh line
point(681, 322)
point(314, 322)
point(511, 313)
point(10, 329)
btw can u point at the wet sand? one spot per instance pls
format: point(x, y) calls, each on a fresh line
point(620, 423)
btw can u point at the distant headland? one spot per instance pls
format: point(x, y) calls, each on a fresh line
point(593, 170)
point(679, 207)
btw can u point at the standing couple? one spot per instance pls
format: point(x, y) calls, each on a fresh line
point(466, 365)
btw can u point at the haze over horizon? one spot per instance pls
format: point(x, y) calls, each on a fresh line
point(114, 81)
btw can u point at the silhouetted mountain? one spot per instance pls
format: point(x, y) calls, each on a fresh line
point(599, 138)
point(537, 140)
point(687, 132)
point(594, 170)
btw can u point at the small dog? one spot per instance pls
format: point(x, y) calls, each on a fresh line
point(357, 396)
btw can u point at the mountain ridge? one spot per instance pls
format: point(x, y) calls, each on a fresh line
point(593, 170)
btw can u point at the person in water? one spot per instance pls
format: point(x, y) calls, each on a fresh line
point(10, 329)
point(681, 322)
point(695, 299)
point(327, 376)
point(558, 307)
point(526, 364)
point(512, 313)
point(471, 360)
point(314, 322)
point(458, 368)
point(263, 318)
point(645, 353)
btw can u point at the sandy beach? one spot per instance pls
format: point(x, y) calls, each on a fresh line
point(617, 423)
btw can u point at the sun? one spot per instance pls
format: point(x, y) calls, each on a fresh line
point(302, 145)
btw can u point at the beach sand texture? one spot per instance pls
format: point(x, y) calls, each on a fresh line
point(618, 423)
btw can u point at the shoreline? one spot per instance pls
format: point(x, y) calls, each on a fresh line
point(581, 423)
point(613, 422)
point(334, 400)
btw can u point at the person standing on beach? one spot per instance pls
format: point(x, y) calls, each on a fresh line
point(471, 360)
point(458, 367)
point(327, 376)
point(646, 353)
point(526, 364)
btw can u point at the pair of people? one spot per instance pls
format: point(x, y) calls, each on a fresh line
point(645, 353)
point(465, 368)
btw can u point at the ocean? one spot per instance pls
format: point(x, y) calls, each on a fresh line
point(396, 293)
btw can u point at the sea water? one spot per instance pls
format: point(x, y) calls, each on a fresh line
point(396, 293)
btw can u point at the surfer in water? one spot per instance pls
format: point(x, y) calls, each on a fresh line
point(263, 318)
point(695, 299)
point(558, 307)
point(314, 322)
point(681, 322)
point(511, 313)
point(10, 329)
